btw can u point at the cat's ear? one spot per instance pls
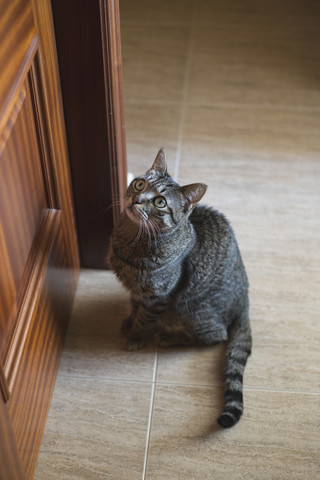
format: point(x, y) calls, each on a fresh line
point(159, 165)
point(193, 194)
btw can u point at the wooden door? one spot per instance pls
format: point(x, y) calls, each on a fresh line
point(39, 259)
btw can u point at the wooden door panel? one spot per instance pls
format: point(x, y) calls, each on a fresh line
point(16, 24)
point(31, 286)
point(47, 314)
point(39, 259)
point(10, 465)
point(23, 200)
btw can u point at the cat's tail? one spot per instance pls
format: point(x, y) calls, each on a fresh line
point(238, 351)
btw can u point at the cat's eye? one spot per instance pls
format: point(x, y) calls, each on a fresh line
point(160, 202)
point(139, 185)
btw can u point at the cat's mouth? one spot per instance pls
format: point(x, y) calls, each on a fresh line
point(135, 213)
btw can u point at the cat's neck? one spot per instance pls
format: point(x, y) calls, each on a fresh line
point(138, 245)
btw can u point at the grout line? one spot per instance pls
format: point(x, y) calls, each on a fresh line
point(153, 382)
point(245, 387)
point(183, 104)
point(199, 24)
point(226, 105)
point(155, 367)
point(277, 390)
point(104, 379)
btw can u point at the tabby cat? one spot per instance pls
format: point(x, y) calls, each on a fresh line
point(181, 263)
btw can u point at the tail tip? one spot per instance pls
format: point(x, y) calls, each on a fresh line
point(227, 420)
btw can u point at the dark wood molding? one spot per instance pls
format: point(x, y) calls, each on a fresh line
point(4, 387)
point(112, 60)
point(89, 52)
point(38, 96)
point(33, 286)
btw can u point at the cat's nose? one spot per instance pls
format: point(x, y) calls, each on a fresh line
point(136, 200)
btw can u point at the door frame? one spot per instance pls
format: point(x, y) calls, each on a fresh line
point(89, 54)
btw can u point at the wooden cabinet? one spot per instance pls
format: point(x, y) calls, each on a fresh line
point(39, 259)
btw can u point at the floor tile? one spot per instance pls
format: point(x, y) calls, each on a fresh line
point(286, 345)
point(105, 358)
point(210, 131)
point(94, 347)
point(100, 305)
point(257, 162)
point(277, 437)
point(154, 62)
point(166, 12)
point(261, 66)
point(102, 437)
point(286, 337)
point(286, 14)
point(191, 366)
point(148, 128)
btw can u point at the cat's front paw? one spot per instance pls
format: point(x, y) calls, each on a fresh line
point(126, 326)
point(134, 344)
point(167, 342)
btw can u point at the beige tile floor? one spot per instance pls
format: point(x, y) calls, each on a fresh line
point(232, 90)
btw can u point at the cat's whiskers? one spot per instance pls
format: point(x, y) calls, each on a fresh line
point(104, 210)
point(147, 230)
point(155, 230)
point(138, 236)
point(142, 227)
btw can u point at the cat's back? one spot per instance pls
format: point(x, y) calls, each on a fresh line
point(216, 248)
point(211, 225)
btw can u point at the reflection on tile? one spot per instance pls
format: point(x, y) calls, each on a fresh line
point(192, 366)
point(148, 128)
point(258, 163)
point(103, 437)
point(277, 437)
point(211, 131)
point(100, 305)
point(239, 65)
point(154, 62)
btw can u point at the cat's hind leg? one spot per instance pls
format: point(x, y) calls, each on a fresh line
point(209, 332)
point(193, 333)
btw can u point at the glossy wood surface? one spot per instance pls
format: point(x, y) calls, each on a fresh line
point(10, 467)
point(112, 61)
point(34, 380)
point(39, 260)
point(89, 55)
point(52, 127)
point(22, 200)
point(14, 56)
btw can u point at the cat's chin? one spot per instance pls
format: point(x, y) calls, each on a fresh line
point(132, 216)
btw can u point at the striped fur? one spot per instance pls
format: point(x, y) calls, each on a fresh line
point(181, 263)
point(238, 351)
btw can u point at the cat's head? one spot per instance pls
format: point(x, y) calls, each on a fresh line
point(157, 201)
